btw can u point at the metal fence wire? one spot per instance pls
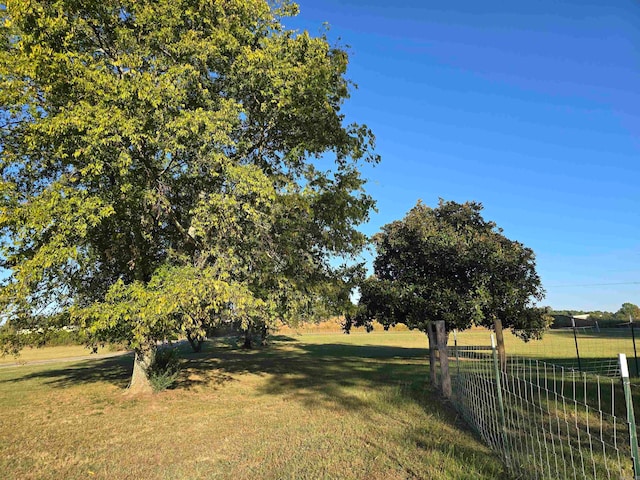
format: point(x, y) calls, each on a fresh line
point(546, 421)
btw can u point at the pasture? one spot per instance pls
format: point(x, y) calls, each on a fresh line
point(307, 407)
point(598, 350)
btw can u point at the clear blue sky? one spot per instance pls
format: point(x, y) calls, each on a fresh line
point(532, 108)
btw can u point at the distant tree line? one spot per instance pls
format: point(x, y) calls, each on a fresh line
point(626, 312)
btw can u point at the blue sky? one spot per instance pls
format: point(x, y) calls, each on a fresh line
point(532, 108)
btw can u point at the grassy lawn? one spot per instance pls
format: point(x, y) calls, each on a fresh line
point(33, 354)
point(558, 344)
point(308, 407)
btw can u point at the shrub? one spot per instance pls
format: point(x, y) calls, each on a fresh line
point(61, 337)
point(165, 369)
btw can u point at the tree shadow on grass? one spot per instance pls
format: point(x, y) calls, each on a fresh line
point(115, 370)
point(373, 381)
point(331, 376)
point(313, 374)
point(369, 380)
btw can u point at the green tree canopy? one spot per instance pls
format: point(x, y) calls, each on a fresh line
point(628, 311)
point(165, 164)
point(448, 263)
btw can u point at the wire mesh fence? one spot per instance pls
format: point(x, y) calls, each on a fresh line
point(547, 421)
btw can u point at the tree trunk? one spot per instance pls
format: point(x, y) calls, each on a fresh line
point(264, 334)
point(144, 358)
point(445, 379)
point(247, 338)
point(195, 342)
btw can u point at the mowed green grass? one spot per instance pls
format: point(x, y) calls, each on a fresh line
point(307, 407)
point(559, 345)
point(34, 354)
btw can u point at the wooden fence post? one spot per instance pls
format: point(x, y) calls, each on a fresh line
point(432, 353)
point(502, 355)
point(498, 375)
point(445, 377)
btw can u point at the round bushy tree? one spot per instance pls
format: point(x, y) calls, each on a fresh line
point(450, 264)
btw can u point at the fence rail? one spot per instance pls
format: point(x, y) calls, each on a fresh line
point(547, 421)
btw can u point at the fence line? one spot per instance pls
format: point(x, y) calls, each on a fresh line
point(547, 421)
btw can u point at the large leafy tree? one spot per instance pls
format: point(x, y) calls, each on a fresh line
point(448, 263)
point(168, 164)
point(628, 311)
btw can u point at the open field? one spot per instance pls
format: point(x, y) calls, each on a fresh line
point(308, 407)
point(556, 344)
point(34, 354)
point(558, 347)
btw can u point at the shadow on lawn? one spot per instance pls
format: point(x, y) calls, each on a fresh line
point(335, 376)
point(115, 370)
point(313, 374)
